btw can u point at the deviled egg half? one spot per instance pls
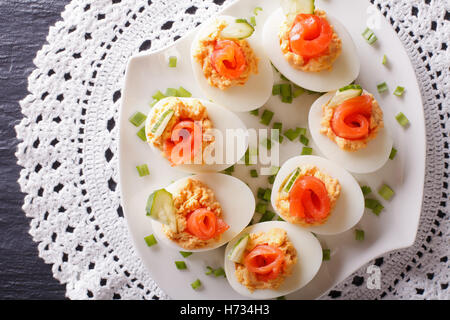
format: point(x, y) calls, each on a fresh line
point(316, 194)
point(347, 126)
point(191, 134)
point(310, 47)
point(229, 64)
point(200, 212)
point(271, 259)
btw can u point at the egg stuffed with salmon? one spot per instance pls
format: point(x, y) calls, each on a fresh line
point(183, 130)
point(229, 64)
point(316, 194)
point(271, 259)
point(309, 47)
point(347, 126)
point(195, 213)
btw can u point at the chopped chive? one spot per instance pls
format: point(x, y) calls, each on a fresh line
point(253, 173)
point(286, 93)
point(378, 208)
point(350, 86)
point(370, 37)
point(371, 203)
point(393, 153)
point(298, 91)
point(253, 21)
point(241, 20)
point(261, 208)
point(382, 87)
point(255, 11)
point(137, 119)
point(277, 126)
point(402, 119)
point(359, 235)
point(141, 134)
point(281, 298)
point(185, 254)
point(307, 151)
point(209, 270)
point(260, 193)
point(267, 143)
point(171, 92)
point(172, 62)
point(271, 179)
point(326, 254)
point(181, 265)
point(276, 89)
point(283, 77)
point(384, 62)
point(267, 194)
point(182, 92)
point(143, 170)
point(219, 272)
point(229, 170)
point(196, 284)
point(366, 190)
point(386, 192)
point(254, 112)
point(280, 219)
point(150, 240)
point(247, 157)
point(266, 117)
point(399, 91)
point(304, 140)
point(267, 216)
point(158, 95)
point(291, 134)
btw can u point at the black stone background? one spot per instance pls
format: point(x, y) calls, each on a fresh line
point(24, 26)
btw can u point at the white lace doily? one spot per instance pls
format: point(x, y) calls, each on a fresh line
point(69, 146)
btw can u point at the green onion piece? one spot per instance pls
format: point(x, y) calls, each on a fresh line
point(141, 134)
point(255, 11)
point(276, 89)
point(286, 93)
point(267, 143)
point(182, 92)
point(267, 216)
point(158, 95)
point(307, 151)
point(171, 92)
point(393, 153)
point(371, 203)
point(172, 62)
point(261, 208)
point(181, 265)
point(253, 173)
point(350, 86)
point(219, 272)
point(326, 254)
point(280, 219)
point(229, 170)
point(266, 117)
point(267, 194)
point(370, 37)
point(382, 87)
point(291, 134)
point(150, 240)
point(185, 254)
point(304, 140)
point(277, 126)
point(399, 91)
point(298, 91)
point(143, 170)
point(241, 20)
point(254, 112)
point(378, 208)
point(359, 235)
point(260, 193)
point(301, 131)
point(281, 298)
point(209, 270)
point(386, 192)
point(247, 157)
point(253, 21)
point(137, 119)
point(271, 179)
point(196, 284)
point(283, 77)
point(402, 119)
point(366, 190)
point(384, 62)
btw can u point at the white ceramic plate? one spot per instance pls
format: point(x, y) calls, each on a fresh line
point(396, 226)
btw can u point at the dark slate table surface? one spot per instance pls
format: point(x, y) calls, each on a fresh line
point(24, 26)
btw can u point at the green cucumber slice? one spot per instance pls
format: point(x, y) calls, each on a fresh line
point(237, 253)
point(160, 207)
point(346, 93)
point(291, 180)
point(293, 7)
point(160, 125)
point(239, 29)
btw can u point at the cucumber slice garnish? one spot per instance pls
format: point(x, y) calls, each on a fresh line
point(291, 180)
point(160, 125)
point(293, 7)
point(346, 93)
point(237, 253)
point(239, 29)
point(160, 207)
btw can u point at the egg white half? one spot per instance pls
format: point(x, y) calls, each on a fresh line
point(309, 259)
point(235, 198)
point(345, 68)
point(349, 207)
point(222, 120)
point(366, 160)
point(254, 93)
